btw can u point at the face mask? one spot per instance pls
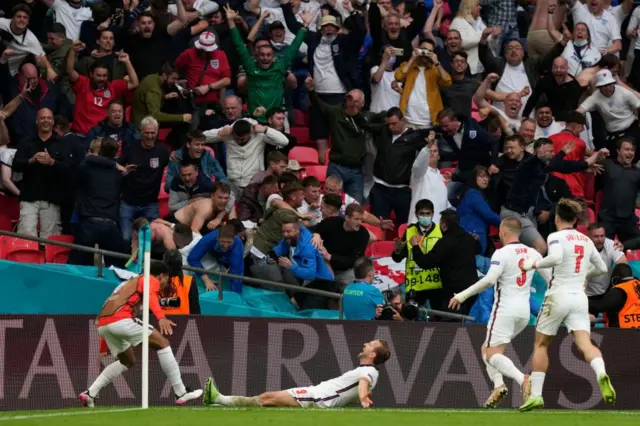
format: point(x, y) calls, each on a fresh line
point(328, 40)
point(581, 43)
point(277, 46)
point(425, 220)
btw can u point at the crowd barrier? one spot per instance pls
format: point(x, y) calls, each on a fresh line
point(46, 360)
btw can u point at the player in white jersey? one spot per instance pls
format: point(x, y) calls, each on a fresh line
point(510, 313)
point(574, 260)
point(353, 386)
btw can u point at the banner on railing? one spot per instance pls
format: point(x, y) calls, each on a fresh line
point(45, 361)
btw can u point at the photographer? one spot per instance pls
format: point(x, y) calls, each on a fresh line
point(360, 299)
point(181, 297)
point(396, 309)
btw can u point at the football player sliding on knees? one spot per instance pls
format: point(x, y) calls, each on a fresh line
point(122, 331)
point(352, 386)
point(574, 259)
point(511, 310)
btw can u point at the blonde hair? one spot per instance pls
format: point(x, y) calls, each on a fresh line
point(94, 147)
point(466, 7)
point(568, 210)
point(512, 224)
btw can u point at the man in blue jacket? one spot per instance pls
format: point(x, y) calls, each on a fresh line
point(225, 250)
point(194, 152)
point(361, 298)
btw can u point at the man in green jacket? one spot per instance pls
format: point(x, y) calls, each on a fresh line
point(151, 95)
point(266, 74)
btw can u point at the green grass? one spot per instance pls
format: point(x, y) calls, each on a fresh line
point(194, 416)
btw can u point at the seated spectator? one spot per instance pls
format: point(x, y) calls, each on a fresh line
point(189, 188)
point(226, 250)
point(427, 182)
point(426, 284)
point(276, 165)
point(116, 127)
point(616, 303)
point(105, 55)
point(311, 205)
point(141, 188)
point(37, 92)
point(206, 214)
point(10, 183)
point(342, 240)
point(45, 161)
point(361, 298)
point(194, 152)
point(475, 213)
point(612, 253)
point(252, 204)
point(245, 141)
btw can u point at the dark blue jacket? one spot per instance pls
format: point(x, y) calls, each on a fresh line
point(478, 148)
point(125, 134)
point(21, 124)
point(476, 215)
point(345, 48)
point(308, 263)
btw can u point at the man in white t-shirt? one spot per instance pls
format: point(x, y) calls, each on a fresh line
point(610, 253)
point(22, 41)
point(71, 14)
point(511, 309)
point(603, 26)
point(617, 105)
point(546, 125)
point(9, 177)
point(509, 115)
point(383, 95)
point(353, 386)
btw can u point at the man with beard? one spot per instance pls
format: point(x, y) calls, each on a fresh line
point(151, 95)
point(561, 89)
point(528, 131)
point(459, 95)
point(611, 253)
point(71, 14)
point(105, 54)
point(149, 47)
point(95, 93)
point(115, 126)
point(546, 125)
point(194, 152)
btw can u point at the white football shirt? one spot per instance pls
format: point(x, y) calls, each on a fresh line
point(571, 255)
point(345, 387)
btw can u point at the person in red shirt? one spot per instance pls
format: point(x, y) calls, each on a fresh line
point(575, 123)
point(121, 331)
point(207, 69)
point(95, 93)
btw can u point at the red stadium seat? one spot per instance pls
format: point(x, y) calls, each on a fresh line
point(633, 254)
point(58, 254)
point(382, 249)
point(23, 251)
point(402, 229)
point(375, 230)
point(319, 172)
point(304, 155)
point(300, 118)
point(582, 229)
point(301, 134)
point(592, 216)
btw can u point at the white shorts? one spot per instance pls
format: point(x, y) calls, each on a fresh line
point(312, 397)
point(570, 309)
point(121, 335)
point(502, 328)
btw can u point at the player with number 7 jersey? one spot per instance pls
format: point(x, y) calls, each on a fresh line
point(511, 310)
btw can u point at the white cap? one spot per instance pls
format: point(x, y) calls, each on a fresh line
point(604, 78)
point(206, 42)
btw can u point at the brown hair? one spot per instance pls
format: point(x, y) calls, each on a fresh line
point(383, 353)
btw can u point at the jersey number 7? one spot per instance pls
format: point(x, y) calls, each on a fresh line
point(579, 250)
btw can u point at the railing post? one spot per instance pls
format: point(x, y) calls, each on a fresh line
point(340, 307)
point(220, 296)
point(97, 259)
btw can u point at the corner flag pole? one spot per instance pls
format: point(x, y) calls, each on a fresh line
point(145, 244)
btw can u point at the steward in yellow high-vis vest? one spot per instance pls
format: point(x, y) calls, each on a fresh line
point(621, 304)
point(416, 278)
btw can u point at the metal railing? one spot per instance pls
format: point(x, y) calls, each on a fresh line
point(282, 286)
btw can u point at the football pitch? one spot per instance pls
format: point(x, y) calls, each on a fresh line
point(193, 416)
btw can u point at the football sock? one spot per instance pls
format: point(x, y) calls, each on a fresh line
point(537, 381)
point(238, 401)
point(109, 373)
point(170, 367)
point(505, 366)
point(494, 374)
point(598, 366)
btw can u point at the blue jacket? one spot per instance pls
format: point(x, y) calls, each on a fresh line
point(232, 259)
point(476, 216)
point(209, 167)
point(360, 300)
point(126, 134)
point(308, 263)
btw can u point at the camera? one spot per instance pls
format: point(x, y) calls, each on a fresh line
point(170, 302)
point(423, 52)
point(410, 309)
point(387, 312)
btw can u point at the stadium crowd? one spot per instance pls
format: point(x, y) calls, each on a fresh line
point(287, 140)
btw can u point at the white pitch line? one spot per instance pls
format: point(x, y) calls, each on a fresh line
point(67, 413)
